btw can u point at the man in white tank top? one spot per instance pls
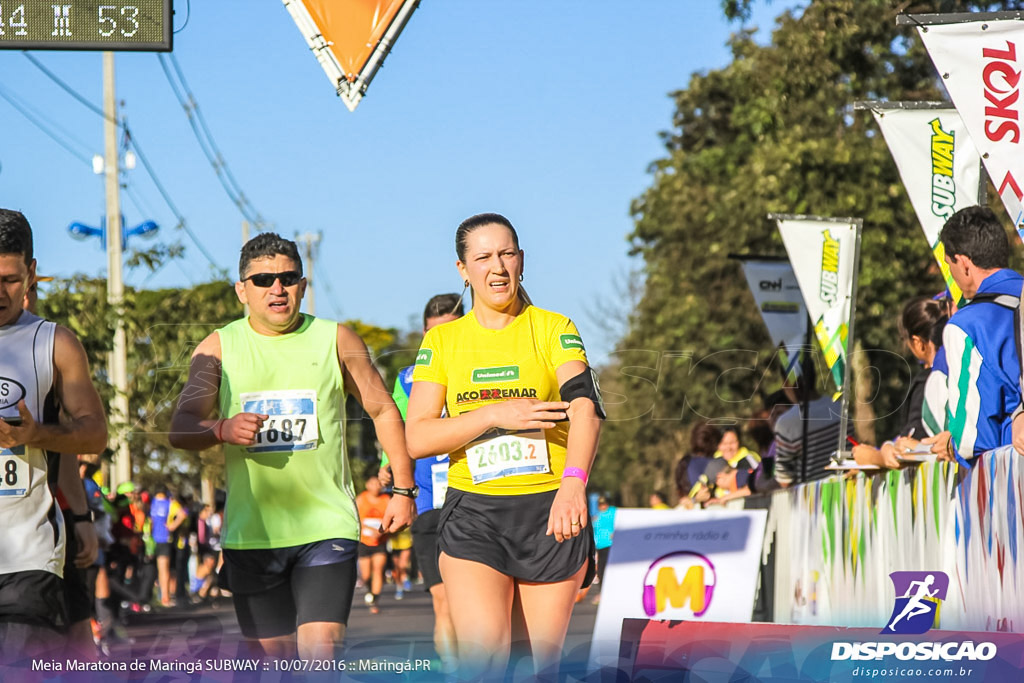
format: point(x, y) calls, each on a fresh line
point(41, 365)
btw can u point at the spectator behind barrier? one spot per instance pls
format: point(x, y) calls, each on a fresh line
point(704, 440)
point(822, 421)
point(980, 339)
point(924, 411)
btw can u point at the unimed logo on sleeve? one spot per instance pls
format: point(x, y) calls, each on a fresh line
point(571, 342)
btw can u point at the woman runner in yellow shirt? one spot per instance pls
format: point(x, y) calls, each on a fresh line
point(514, 548)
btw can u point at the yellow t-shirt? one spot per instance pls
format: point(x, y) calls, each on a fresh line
point(480, 367)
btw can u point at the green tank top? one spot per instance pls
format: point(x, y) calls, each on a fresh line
point(293, 486)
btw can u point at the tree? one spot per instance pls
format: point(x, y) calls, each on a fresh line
point(163, 328)
point(771, 132)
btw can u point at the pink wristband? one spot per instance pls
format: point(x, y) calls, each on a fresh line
point(216, 430)
point(575, 472)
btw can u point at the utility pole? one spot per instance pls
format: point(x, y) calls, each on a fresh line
point(245, 240)
point(118, 362)
point(310, 247)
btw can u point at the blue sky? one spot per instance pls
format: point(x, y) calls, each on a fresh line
point(547, 112)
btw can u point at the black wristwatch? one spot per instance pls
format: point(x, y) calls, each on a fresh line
point(86, 516)
point(408, 493)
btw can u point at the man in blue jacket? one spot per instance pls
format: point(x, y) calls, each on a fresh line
point(979, 340)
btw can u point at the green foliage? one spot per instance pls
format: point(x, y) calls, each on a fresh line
point(162, 328)
point(773, 131)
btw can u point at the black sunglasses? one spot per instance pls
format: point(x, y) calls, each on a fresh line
point(264, 280)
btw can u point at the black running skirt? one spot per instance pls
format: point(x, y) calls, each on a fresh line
point(507, 533)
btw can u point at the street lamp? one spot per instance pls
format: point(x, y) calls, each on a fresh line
point(81, 231)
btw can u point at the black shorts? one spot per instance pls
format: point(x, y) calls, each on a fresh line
point(277, 589)
point(424, 544)
point(76, 595)
point(163, 550)
point(368, 550)
point(507, 533)
point(35, 598)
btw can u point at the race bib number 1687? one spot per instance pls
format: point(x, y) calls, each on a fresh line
point(291, 425)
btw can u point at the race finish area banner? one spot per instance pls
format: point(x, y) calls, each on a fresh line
point(825, 253)
point(980, 58)
point(777, 295)
point(698, 565)
point(938, 163)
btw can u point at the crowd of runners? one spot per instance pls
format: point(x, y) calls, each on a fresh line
point(502, 416)
point(489, 437)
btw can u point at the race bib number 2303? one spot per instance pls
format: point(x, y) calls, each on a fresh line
point(291, 425)
point(507, 455)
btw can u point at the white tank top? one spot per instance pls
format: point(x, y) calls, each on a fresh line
point(32, 527)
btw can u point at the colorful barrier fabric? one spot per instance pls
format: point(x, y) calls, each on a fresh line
point(836, 541)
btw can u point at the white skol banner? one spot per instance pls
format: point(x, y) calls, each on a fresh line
point(940, 168)
point(697, 565)
point(980, 63)
point(822, 254)
point(778, 297)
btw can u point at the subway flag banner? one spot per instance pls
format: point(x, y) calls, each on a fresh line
point(940, 168)
point(778, 298)
point(697, 565)
point(980, 63)
point(823, 254)
point(350, 39)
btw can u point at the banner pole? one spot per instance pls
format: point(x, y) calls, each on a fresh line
point(845, 405)
point(805, 395)
point(955, 18)
point(879, 105)
point(983, 186)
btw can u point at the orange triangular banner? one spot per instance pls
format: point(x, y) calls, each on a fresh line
point(353, 28)
point(351, 38)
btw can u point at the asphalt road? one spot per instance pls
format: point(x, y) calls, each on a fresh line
point(204, 644)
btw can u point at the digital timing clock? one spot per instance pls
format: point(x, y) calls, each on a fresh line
point(113, 25)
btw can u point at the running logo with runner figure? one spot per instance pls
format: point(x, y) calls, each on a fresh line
point(918, 595)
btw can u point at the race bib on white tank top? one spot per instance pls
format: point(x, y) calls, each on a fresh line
point(32, 527)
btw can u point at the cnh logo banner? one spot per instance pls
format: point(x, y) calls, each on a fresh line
point(679, 578)
point(918, 595)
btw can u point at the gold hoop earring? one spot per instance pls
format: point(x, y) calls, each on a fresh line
point(465, 286)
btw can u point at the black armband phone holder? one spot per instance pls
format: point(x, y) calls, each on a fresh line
point(584, 385)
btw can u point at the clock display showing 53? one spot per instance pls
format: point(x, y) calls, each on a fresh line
point(84, 24)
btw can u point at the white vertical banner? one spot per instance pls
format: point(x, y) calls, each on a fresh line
point(823, 254)
point(777, 294)
point(940, 168)
point(980, 63)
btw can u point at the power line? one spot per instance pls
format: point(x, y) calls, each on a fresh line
point(138, 150)
point(170, 203)
point(330, 290)
point(188, 15)
point(138, 200)
point(65, 87)
point(207, 143)
point(37, 119)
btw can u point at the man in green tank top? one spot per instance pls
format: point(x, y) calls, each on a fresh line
point(271, 388)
